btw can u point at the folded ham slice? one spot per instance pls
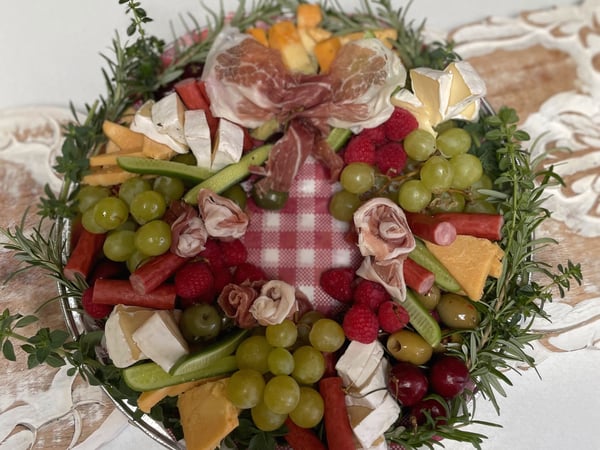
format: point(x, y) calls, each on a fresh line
point(248, 83)
point(385, 240)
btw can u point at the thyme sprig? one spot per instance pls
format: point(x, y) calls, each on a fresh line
point(135, 71)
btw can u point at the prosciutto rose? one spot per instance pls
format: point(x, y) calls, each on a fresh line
point(223, 218)
point(385, 240)
point(276, 302)
point(236, 300)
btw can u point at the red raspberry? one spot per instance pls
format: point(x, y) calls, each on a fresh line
point(370, 294)
point(195, 280)
point(392, 316)
point(390, 158)
point(400, 124)
point(359, 149)
point(233, 253)
point(375, 135)
point(360, 324)
point(337, 282)
point(212, 254)
point(248, 272)
point(94, 310)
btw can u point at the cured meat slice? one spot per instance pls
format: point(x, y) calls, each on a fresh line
point(248, 83)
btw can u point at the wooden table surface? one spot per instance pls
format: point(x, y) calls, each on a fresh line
point(545, 64)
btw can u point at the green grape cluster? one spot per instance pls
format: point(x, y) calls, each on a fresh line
point(131, 218)
point(278, 370)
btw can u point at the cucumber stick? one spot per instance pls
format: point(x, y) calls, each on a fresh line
point(150, 376)
point(422, 321)
point(201, 359)
point(422, 256)
point(230, 175)
point(146, 166)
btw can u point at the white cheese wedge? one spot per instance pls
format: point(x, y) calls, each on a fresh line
point(118, 331)
point(370, 428)
point(228, 145)
point(433, 87)
point(160, 340)
point(197, 135)
point(372, 393)
point(168, 116)
point(358, 362)
point(467, 90)
point(142, 123)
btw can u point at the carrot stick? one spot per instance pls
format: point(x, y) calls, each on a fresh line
point(337, 423)
point(302, 438)
point(431, 228)
point(417, 277)
point(155, 272)
point(487, 226)
point(115, 292)
point(84, 254)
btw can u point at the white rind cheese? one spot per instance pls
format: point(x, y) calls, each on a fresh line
point(167, 116)
point(119, 328)
point(160, 340)
point(228, 145)
point(142, 123)
point(377, 422)
point(197, 135)
point(358, 362)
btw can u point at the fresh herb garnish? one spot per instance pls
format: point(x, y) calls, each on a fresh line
point(136, 72)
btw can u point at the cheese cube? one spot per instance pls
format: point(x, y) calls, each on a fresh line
point(168, 116)
point(142, 123)
point(160, 340)
point(228, 146)
point(376, 422)
point(358, 362)
point(372, 393)
point(118, 334)
point(197, 135)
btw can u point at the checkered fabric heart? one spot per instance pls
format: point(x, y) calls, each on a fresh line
point(297, 243)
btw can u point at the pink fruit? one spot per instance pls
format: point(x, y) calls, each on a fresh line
point(407, 383)
point(448, 376)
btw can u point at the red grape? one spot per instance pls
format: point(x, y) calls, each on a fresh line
point(407, 383)
point(430, 406)
point(448, 376)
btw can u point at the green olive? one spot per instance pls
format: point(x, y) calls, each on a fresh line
point(457, 312)
point(408, 346)
point(431, 299)
point(270, 200)
point(237, 194)
point(200, 322)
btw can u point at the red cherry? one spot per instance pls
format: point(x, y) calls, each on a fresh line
point(430, 406)
point(448, 376)
point(407, 383)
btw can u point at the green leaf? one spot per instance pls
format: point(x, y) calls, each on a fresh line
point(8, 350)
point(24, 321)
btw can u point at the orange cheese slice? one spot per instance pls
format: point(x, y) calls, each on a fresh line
point(469, 260)
point(207, 415)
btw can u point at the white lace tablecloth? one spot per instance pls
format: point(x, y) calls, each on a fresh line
point(545, 63)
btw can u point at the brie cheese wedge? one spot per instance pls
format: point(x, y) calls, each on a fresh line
point(369, 356)
point(228, 145)
point(160, 340)
point(118, 330)
point(168, 116)
point(197, 135)
point(142, 123)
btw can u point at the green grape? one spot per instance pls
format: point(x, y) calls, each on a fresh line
point(283, 334)
point(357, 178)
point(88, 196)
point(453, 141)
point(327, 335)
point(153, 238)
point(343, 204)
point(413, 196)
point(245, 388)
point(485, 182)
point(436, 174)
point(129, 224)
point(147, 206)
point(466, 169)
point(309, 365)
point(136, 260)
point(110, 212)
point(480, 206)
point(310, 409)
point(118, 245)
point(281, 394)
point(280, 361)
point(419, 145)
point(440, 128)
point(305, 325)
point(448, 201)
point(171, 188)
point(237, 194)
point(88, 222)
point(253, 353)
point(133, 186)
point(265, 419)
